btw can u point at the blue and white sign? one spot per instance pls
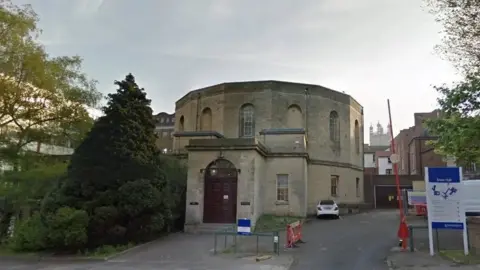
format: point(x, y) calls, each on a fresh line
point(445, 192)
point(244, 226)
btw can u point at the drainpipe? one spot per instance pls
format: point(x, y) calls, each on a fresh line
point(307, 98)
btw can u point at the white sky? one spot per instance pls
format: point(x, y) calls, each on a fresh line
point(371, 49)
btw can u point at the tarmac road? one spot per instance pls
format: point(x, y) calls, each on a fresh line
point(356, 242)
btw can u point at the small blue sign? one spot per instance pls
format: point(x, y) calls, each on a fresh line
point(447, 225)
point(444, 175)
point(244, 226)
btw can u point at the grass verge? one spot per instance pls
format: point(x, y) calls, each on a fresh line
point(459, 257)
point(270, 223)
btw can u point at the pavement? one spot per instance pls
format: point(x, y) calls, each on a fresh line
point(421, 260)
point(361, 241)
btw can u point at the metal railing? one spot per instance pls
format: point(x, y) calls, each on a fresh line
point(232, 241)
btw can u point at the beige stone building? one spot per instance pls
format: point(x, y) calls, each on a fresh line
point(267, 147)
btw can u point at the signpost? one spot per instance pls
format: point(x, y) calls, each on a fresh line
point(445, 192)
point(244, 226)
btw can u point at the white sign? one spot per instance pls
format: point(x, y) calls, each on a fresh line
point(444, 190)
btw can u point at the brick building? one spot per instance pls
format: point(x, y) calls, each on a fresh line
point(411, 145)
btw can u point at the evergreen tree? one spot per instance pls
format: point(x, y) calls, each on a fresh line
point(115, 172)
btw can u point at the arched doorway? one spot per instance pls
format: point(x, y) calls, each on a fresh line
point(220, 193)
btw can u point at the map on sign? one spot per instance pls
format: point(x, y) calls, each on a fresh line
point(445, 192)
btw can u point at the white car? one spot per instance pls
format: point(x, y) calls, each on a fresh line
point(327, 208)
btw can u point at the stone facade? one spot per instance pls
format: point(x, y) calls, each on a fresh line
point(164, 128)
point(293, 136)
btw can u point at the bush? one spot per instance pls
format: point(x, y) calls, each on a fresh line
point(29, 234)
point(67, 228)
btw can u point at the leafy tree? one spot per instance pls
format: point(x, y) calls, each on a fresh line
point(458, 127)
point(114, 174)
point(460, 19)
point(42, 97)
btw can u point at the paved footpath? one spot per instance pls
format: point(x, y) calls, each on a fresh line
point(423, 261)
point(356, 242)
point(174, 252)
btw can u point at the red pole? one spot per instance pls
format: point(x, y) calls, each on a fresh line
point(402, 230)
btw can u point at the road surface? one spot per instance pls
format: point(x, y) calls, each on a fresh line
point(356, 242)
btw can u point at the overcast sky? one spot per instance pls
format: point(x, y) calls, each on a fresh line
point(371, 49)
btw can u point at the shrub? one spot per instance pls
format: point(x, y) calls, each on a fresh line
point(29, 234)
point(67, 228)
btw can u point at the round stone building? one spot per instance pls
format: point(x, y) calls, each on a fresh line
point(267, 147)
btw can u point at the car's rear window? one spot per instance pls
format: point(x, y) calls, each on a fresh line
point(327, 202)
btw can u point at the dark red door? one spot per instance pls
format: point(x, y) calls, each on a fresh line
point(220, 197)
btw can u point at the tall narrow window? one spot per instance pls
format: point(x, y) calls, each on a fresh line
point(334, 127)
point(206, 120)
point(294, 117)
point(357, 186)
point(334, 179)
point(247, 121)
point(282, 187)
point(181, 124)
point(357, 137)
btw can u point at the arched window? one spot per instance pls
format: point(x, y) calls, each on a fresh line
point(247, 121)
point(294, 117)
point(357, 137)
point(181, 124)
point(206, 120)
point(334, 127)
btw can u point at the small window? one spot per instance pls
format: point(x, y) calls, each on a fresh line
point(165, 134)
point(327, 202)
point(173, 119)
point(282, 187)
point(388, 171)
point(162, 120)
point(334, 179)
point(357, 186)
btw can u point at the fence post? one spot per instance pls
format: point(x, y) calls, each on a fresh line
point(412, 246)
point(215, 244)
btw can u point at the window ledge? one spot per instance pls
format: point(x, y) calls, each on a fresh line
point(281, 203)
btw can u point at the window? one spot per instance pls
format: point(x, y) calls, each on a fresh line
point(162, 120)
point(282, 187)
point(247, 121)
point(173, 119)
point(357, 186)
point(388, 171)
point(206, 120)
point(181, 125)
point(357, 136)
point(334, 127)
point(294, 117)
point(334, 185)
point(164, 134)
